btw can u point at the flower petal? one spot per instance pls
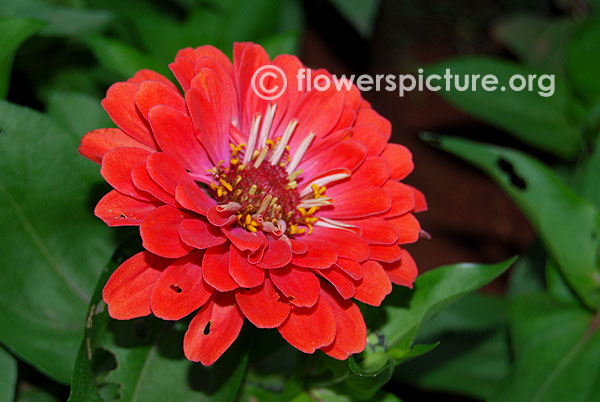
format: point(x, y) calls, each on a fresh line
point(116, 169)
point(98, 142)
point(166, 171)
point(408, 228)
point(216, 268)
point(175, 134)
point(191, 197)
point(244, 273)
point(356, 202)
point(300, 285)
point(309, 329)
point(152, 93)
point(213, 330)
point(351, 267)
point(399, 159)
point(277, 254)
point(243, 239)
point(220, 217)
point(142, 181)
point(376, 230)
point(386, 253)
point(200, 234)
point(374, 285)
point(351, 330)
point(127, 292)
point(346, 244)
point(117, 209)
point(342, 283)
point(403, 199)
point(262, 305)
point(122, 109)
point(420, 201)
point(318, 255)
point(180, 288)
point(372, 139)
point(403, 272)
point(160, 232)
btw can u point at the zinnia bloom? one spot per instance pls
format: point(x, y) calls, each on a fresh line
point(279, 212)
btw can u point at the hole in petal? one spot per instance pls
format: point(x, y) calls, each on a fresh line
point(207, 329)
point(176, 288)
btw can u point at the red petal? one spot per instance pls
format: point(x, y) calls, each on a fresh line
point(344, 155)
point(206, 343)
point(180, 288)
point(175, 134)
point(127, 292)
point(403, 199)
point(186, 59)
point(399, 159)
point(375, 171)
point(149, 75)
point(318, 255)
point(243, 239)
point(263, 306)
point(408, 228)
point(354, 202)
point(160, 232)
point(142, 181)
point(200, 234)
point(309, 329)
point(369, 117)
point(152, 93)
point(351, 331)
point(220, 218)
point(342, 283)
point(216, 268)
point(372, 139)
point(116, 170)
point(300, 285)
point(122, 109)
point(420, 201)
point(376, 230)
point(98, 142)
point(351, 267)
point(403, 272)
point(243, 273)
point(374, 285)
point(166, 171)
point(277, 254)
point(116, 209)
point(191, 197)
point(346, 243)
point(386, 253)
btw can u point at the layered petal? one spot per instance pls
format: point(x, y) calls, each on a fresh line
point(300, 285)
point(160, 232)
point(117, 209)
point(374, 285)
point(263, 306)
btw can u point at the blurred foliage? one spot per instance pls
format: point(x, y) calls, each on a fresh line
point(553, 296)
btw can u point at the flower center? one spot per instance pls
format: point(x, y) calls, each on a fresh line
point(261, 183)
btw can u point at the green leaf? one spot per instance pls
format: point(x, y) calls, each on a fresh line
point(584, 60)
point(467, 363)
point(61, 21)
point(532, 118)
point(557, 353)
point(566, 224)
point(360, 13)
point(433, 291)
point(77, 112)
point(13, 32)
point(540, 42)
point(29, 393)
point(527, 276)
point(55, 247)
point(139, 360)
point(558, 289)
point(585, 179)
point(121, 58)
point(8, 376)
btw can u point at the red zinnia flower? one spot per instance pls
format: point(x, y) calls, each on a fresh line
point(276, 211)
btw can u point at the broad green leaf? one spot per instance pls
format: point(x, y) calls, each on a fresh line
point(467, 363)
point(558, 290)
point(473, 353)
point(142, 360)
point(566, 224)
point(584, 60)
point(540, 121)
point(285, 43)
point(77, 112)
point(55, 248)
point(13, 32)
point(121, 58)
point(29, 393)
point(527, 276)
point(360, 13)
point(433, 291)
point(8, 376)
point(557, 353)
point(585, 179)
point(61, 21)
point(540, 42)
